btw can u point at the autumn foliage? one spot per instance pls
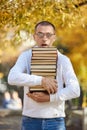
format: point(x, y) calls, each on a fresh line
point(69, 17)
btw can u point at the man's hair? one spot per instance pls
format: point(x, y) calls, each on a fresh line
point(44, 23)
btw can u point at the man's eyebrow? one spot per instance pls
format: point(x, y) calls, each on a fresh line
point(40, 32)
point(43, 32)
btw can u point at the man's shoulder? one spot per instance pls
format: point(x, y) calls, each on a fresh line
point(62, 57)
point(26, 52)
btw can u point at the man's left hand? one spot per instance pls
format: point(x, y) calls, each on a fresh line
point(39, 96)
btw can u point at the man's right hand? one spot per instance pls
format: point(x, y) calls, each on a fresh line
point(49, 84)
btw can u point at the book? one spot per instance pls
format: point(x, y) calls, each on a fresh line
point(44, 52)
point(43, 62)
point(44, 49)
point(42, 70)
point(43, 67)
point(37, 89)
point(43, 57)
point(44, 73)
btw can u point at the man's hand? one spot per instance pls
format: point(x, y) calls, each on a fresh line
point(49, 84)
point(39, 96)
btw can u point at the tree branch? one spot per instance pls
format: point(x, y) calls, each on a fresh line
point(80, 4)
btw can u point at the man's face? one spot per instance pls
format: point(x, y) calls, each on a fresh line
point(44, 36)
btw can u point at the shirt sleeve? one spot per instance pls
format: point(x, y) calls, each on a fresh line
point(18, 76)
point(71, 89)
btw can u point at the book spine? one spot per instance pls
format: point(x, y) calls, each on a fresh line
point(44, 49)
point(43, 58)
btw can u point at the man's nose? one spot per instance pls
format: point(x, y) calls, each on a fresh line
point(45, 37)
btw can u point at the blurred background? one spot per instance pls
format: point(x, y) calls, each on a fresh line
point(17, 21)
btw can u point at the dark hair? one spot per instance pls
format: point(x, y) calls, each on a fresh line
point(44, 23)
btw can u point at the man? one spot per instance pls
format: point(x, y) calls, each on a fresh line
point(42, 111)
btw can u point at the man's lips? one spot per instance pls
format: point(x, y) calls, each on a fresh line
point(44, 44)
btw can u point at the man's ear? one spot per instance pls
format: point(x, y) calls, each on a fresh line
point(55, 38)
point(34, 36)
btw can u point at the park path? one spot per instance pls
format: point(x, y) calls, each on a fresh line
point(10, 123)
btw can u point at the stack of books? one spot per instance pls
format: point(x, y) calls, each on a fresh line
point(43, 63)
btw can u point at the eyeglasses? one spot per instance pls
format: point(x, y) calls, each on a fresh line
point(41, 35)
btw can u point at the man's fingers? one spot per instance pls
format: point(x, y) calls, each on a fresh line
point(51, 89)
point(49, 84)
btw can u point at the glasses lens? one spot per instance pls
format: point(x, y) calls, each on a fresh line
point(48, 35)
point(40, 35)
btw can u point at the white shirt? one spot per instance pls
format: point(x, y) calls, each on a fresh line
point(19, 75)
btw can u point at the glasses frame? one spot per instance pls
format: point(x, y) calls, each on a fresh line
point(41, 35)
